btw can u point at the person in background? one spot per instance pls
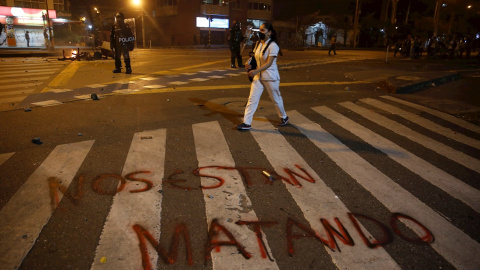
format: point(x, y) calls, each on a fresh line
point(266, 76)
point(234, 41)
point(333, 44)
point(121, 39)
point(27, 38)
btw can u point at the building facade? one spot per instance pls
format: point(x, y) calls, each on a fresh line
point(21, 16)
point(205, 22)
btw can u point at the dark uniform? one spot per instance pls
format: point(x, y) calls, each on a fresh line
point(121, 40)
point(235, 39)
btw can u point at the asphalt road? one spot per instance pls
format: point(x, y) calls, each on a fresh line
point(361, 178)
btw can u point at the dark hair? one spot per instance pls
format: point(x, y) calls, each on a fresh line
point(273, 37)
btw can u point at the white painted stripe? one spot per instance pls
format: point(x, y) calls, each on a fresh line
point(156, 86)
point(317, 200)
point(5, 157)
point(26, 74)
point(119, 243)
point(28, 71)
point(96, 85)
point(12, 99)
point(33, 66)
point(178, 83)
point(423, 122)
point(450, 242)
point(18, 85)
point(26, 79)
point(199, 79)
point(212, 150)
point(148, 78)
point(189, 73)
point(442, 149)
point(47, 103)
point(30, 208)
point(23, 68)
point(125, 91)
point(445, 116)
point(87, 96)
point(453, 186)
point(18, 92)
point(206, 71)
point(59, 90)
point(234, 74)
point(216, 77)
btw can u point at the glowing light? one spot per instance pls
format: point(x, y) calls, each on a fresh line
point(469, 6)
point(136, 2)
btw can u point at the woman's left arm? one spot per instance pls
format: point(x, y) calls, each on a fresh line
point(269, 62)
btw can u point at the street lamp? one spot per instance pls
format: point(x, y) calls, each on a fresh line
point(139, 4)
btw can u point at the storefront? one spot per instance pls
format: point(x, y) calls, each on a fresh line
point(16, 22)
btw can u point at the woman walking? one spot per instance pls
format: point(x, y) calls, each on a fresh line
point(266, 76)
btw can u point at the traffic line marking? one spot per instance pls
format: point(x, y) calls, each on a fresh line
point(450, 242)
point(96, 85)
point(18, 92)
point(425, 141)
point(445, 116)
point(64, 76)
point(155, 86)
point(178, 83)
point(119, 241)
point(423, 122)
point(315, 199)
point(451, 185)
point(30, 208)
point(47, 103)
point(26, 79)
point(212, 150)
point(5, 157)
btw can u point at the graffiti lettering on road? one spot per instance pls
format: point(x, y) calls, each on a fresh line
point(217, 230)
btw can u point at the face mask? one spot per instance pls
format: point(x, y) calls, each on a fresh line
point(261, 35)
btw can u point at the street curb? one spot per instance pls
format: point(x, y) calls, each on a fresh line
point(419, 86)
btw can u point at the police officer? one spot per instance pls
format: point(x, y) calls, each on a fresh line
point(235, 39)
point(121, 41)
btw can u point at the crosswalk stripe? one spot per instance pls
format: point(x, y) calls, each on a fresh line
point(30, 208)
point(442, 149)
point(18, 86)
point(316, 200)
point(18, 92)
point(32, 66)
point(5, 157)
point(212, 150)
point(23, 68)
point(12, 99)
point(34, 71)
point(423, 122)
point(26, 74)
point(119, 242)
point(450, 242)
point(453, 186)
point(26, 79)
point(439, 114)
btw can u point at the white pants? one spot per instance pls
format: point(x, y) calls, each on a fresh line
point(256, 90)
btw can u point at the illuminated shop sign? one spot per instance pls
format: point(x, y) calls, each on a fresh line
point(26, 13)
point(215, 23)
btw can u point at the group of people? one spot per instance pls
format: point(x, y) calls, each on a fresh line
point(443, 47)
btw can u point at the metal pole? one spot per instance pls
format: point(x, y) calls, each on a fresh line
point(435, 18)
point(52, 45)
point(143, 33)
point(209, 31)
point(355, 27)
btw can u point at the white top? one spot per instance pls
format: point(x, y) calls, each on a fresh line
point(270, 74)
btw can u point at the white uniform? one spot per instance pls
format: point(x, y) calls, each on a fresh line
point(268, 79)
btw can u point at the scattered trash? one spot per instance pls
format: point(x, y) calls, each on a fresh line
point(28, 109)
point(210, 196)
point(79, 134)
point(336, 197)
point(146, 137)
point(37, 141)
point(168, 100)
point(433, 84)
point(347, 88)
point(103, 260)
point(24, 236)
point(94, 96)
point(160, 191)
point(269, 176)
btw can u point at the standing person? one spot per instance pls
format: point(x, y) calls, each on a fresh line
point(333, 44)
point(266, 76)
point(45, 36)
point(121, 39)
point(234, 41)
point(27, 38)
